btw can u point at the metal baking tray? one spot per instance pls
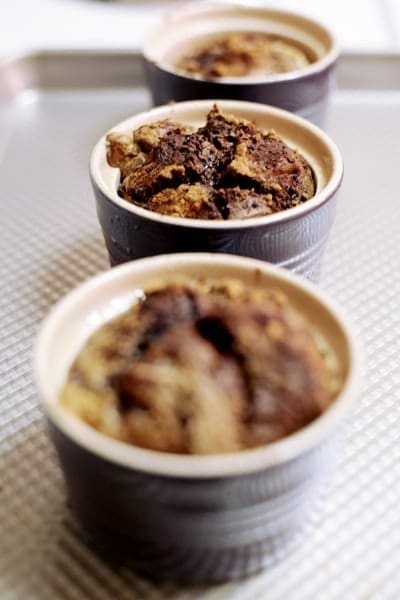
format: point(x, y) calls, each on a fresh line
point(53, 107)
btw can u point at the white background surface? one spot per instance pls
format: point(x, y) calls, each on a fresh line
point(46, 24)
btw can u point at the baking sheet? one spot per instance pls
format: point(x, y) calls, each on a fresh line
point(53, 107)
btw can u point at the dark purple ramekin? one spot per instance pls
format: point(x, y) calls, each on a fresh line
point(183, 517)
point(293, 238)
point(304, 91)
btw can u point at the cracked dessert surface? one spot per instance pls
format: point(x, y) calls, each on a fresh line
point(241, 54)
point(227, 169)
point(201, 367)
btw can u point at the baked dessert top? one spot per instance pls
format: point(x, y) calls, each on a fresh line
point(202, 367)
point(244, 53)
point(227, 169)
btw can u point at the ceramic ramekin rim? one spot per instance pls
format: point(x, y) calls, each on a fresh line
point(325, 194)
point(322, 63)
point(215, 466)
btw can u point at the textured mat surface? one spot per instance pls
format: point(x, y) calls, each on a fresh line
point(50, 241)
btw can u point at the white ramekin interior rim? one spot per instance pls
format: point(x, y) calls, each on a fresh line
point(57, 324)
point(106, 178)
point(194, 13)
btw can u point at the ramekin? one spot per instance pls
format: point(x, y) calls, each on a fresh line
point(294, 238)
point(304, 91)
point(190, 518)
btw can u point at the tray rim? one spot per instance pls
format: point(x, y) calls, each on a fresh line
point(40, 70)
